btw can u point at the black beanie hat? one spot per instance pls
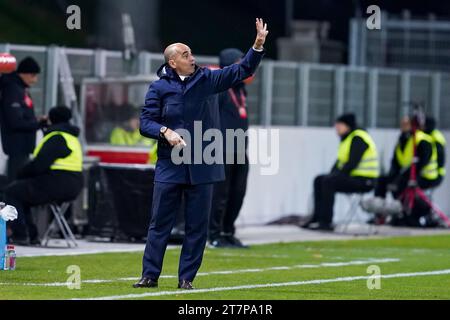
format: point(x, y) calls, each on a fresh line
point(229, 56)
point(349, 119)
point(430, 124)
point(28, 65)
point(60, 114)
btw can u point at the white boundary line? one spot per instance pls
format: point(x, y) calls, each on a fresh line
point(268, 285)
point(226, 272)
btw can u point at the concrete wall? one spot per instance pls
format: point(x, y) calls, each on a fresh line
point(305, 153)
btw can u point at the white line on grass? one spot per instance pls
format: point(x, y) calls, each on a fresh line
point(299, 266)
point(268, 285)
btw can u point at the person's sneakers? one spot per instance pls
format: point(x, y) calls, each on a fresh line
point(316, 226)
point(219, 242)
point(186, 285)
point(146, 283)
point(235, 242)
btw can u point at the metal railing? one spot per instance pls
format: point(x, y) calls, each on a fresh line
point(282, 94)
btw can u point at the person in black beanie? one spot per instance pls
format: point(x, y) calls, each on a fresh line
point(54, 175)
point(355, 171)
point(17, 118)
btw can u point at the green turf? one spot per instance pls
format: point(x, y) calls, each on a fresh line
point(416, 254)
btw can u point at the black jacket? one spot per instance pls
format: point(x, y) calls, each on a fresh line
point(54, 148)
point(230, 117)
point(17, 118)
point(357, 149)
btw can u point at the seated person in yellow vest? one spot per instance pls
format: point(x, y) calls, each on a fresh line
point(440, 143)
point(53, 175)
point(128, 135)
point(355, 171)
point(399, 173)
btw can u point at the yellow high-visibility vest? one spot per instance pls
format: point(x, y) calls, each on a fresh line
point(74, 161)
point(438, 137)
point(369, 166)
point(405, 156)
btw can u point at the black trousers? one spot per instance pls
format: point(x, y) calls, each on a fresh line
point(325, 188)
point(400, 183)
point(26, 193)
point(228, 197)
point(15, 164)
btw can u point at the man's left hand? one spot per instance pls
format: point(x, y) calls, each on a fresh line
point(261, 34)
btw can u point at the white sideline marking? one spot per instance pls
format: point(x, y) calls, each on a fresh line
point(299, 266)
point(269, 285)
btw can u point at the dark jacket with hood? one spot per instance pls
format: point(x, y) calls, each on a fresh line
point(230, 118)
point(17, 118)
point(178, 104)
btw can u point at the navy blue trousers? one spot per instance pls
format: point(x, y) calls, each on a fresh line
point(166, 204)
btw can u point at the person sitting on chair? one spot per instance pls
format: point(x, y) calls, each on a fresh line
point(53, 175)
point(355, 171)
point(400, 172)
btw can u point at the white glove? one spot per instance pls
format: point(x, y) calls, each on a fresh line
point(8, 213)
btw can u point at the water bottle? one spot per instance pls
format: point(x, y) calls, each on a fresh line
point(10, 258)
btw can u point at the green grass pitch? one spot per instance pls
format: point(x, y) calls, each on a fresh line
point(302, 270)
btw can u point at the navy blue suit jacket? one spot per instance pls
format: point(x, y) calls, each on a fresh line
point(177, 104)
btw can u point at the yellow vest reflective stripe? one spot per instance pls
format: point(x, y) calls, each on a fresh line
point(438, 137)
point(369, 166)
point(74, 161)
point(405, 156)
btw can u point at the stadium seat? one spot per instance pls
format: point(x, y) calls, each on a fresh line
point(60, 223)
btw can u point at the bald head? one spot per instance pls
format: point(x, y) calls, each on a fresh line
point(174, 49)
point(179, 57)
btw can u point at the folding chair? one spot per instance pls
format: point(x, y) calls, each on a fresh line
point(60, 223)
point(355, 205)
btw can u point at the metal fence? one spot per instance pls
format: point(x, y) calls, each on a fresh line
point(401, 43)
point(282, 94)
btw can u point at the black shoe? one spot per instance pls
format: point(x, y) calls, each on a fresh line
point(19, 241)
point(308, 224)
point(220, 242)
point(186, 285)
point(35, 242)
point(321, 227)
point(146, 283)
point(235, 242)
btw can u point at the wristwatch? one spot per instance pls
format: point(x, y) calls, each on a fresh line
point(162, 131)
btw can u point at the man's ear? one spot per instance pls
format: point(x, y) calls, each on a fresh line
point(172, 64)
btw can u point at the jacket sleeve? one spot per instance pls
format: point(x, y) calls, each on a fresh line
point(228, 77)
point(357, 150)
point(150, 120)
point(53, 149)
point(13, 111)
